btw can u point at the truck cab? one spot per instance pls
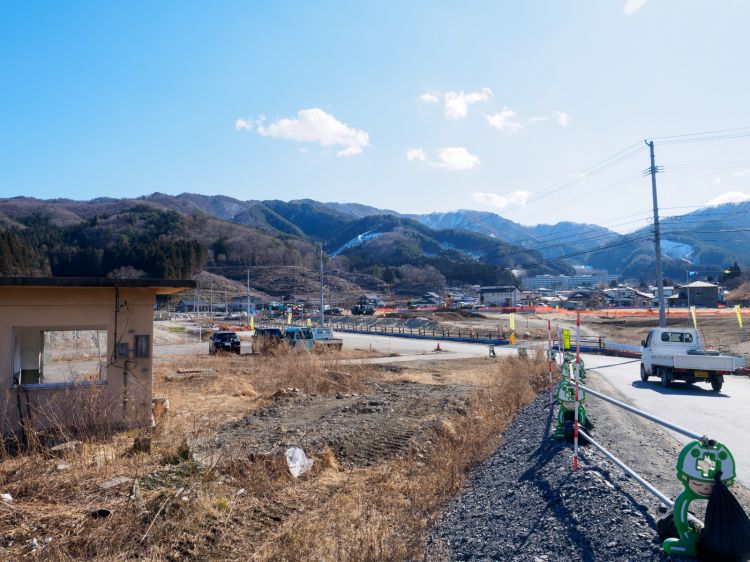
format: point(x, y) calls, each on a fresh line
point(673, 354)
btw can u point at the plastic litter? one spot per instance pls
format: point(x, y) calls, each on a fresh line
point(726, 535)
point(297, 461)
point(6, 498)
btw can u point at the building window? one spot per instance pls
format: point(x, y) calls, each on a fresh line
point(59, 357)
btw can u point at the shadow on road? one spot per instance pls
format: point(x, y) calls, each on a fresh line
point(679, 389)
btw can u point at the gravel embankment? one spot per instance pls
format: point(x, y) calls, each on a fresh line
point(525, 503)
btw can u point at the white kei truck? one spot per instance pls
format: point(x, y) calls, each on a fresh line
point(677, 354)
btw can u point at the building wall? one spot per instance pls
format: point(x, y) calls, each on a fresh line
point(499, 299)
point(123, 399)
point(563, 282)
point(704, 296)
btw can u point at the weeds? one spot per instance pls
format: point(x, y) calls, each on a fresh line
point(251, 508)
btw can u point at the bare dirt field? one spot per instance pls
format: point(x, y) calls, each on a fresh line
point(390, 444)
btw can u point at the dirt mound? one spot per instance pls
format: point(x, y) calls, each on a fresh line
point(361, 430)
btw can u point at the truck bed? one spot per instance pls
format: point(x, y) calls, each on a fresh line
point(723, 363)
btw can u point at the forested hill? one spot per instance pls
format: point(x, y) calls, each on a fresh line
point(177, 236)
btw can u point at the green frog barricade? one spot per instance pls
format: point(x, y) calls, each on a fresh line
point(701, 464)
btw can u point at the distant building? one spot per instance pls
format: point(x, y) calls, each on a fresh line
point(370, 300)
point(628, 297)
point(504, 295)
point(564, 282)
point(700, 293)
point(428, 299)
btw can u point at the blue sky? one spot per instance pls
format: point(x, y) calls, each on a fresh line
point(414, 106)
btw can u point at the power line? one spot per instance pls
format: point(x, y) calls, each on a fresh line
point(717, 131)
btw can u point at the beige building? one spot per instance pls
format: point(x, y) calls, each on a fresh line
point(77, 352)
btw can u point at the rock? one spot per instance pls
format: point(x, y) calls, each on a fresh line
point(115, 482)
point(68, 448)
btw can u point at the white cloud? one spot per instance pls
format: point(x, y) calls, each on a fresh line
point(632, 6)
point(456, 104)
point(505, 120)
point(429, 97)
point(741, 173)
point(455, 158)
point(312, 125)
point(417, 154)
point(537, 119)
point(501, 202)
point(563, 119)
point(243, 124)
point(729, 197)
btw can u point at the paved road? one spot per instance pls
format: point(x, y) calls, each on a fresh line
point(724, 416)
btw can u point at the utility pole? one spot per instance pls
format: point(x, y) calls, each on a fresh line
point(248, 297)
point(652, 171)
point(322, 313)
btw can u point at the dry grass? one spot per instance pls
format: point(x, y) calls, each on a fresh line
point(178, 510)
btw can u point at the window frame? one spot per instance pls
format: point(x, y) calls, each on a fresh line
point(52, 385)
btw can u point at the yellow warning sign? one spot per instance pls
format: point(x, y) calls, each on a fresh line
point(738, 310)
point(566, 339)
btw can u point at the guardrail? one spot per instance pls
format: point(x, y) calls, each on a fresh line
point(700, 462)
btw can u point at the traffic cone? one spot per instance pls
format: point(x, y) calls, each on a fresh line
point(438, 347)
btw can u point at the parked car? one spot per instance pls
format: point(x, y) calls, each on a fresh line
point(224, 342)
point(265, 340)
point(678, 354)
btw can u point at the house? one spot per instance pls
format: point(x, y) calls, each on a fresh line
point(628, 297)
point(79, 351)
point(240, 304)
point(428, 299)
point(700, 293)
point(504, 295)
point(370, 300)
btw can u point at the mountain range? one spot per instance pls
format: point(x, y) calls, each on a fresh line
point(229, 236)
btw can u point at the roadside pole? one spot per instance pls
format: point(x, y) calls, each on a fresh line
point(652, 171)
point(322, 314)
point(577, 379)
point(549, 362)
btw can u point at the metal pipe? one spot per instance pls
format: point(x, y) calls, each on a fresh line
point(646, 415)
point(663, 498)
point(638, 478)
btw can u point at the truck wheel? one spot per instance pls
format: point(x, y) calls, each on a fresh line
point(664, 378)
point(644, 376)
point(717, 382)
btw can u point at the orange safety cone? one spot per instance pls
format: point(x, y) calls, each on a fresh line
point(438, 347)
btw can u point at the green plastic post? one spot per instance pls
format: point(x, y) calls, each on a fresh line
point(697, 465)
point(566, 398)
